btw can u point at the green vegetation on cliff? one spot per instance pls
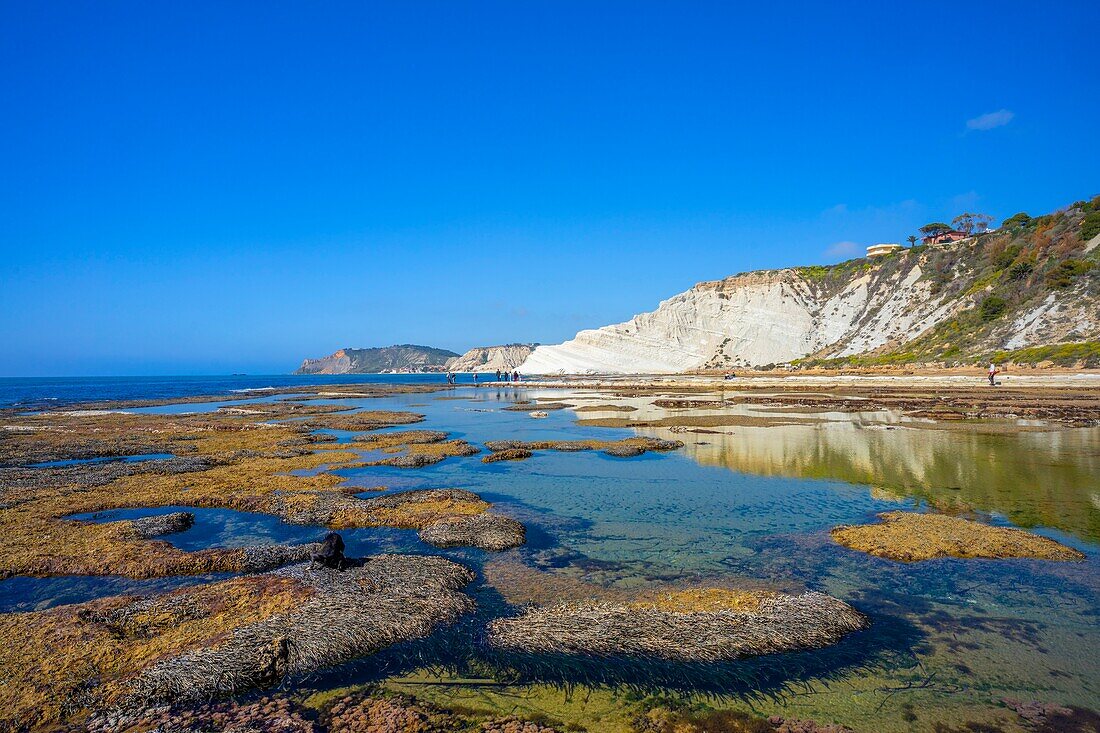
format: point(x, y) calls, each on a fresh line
point(997, 278)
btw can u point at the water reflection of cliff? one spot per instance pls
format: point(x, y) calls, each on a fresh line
point(1036, 479)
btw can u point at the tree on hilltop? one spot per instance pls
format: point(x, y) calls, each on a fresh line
point(912, 240)
point(969, 223)
point(935, 229)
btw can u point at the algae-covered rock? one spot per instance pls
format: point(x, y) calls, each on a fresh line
point(627, 447)
point(508, 454)
point(908, 537)
point(486, 531)
point(349, 614)
point(149, 527)
point(773, 623)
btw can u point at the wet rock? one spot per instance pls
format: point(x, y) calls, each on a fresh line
point(908, 537)
point(261, 558)
point(513, 724)
point(507, 454)
point(791, 725)
point(331, 553)
point(415, 460)
point(277, 715)
point(778, 623)
point(149, 527)
point(624, 451)
point(624, 448)
point(485, 531)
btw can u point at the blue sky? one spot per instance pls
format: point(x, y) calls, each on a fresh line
point(223, 187)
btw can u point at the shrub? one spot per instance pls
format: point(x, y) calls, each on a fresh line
point(992, 307)
point(1090, 227)
point(1016, 220)
point(1062, 276)
point(1021, 270)
point(1006, 256)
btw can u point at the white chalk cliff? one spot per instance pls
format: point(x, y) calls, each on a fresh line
point(751, 319)
point(776, 316)
point(491, 358)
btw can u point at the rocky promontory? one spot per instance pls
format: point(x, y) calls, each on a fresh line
point(397, 358)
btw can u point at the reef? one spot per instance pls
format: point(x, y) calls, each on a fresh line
point(743, 624)
point(223, 459)
point(486, 531)
point(123, 655)
point(909, 537)
point(624, 447)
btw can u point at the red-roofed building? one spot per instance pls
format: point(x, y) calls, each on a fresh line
point(951, 235)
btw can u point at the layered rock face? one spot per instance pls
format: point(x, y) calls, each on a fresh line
point(925, 302)
point(754, 319)
point(491, 358)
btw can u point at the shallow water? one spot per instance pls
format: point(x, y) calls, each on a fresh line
point(751, 506)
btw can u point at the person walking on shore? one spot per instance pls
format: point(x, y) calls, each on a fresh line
point(515, 376)
point(475, 379)
point(992, 374)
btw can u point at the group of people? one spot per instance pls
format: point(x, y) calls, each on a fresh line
point(501, 377)
point(504, 376)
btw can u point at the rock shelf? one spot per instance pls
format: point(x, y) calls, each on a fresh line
point(514, 449)
point(486, 531)
point(775, 623)
point(124, 654)
point(909, 537)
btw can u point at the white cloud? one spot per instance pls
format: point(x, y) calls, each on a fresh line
point(989, 120)
point(843, 249)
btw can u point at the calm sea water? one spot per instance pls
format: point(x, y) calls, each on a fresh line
point(746, 506)
point(48, 392)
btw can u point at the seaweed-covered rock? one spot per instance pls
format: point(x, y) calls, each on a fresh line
point(149, 527)
point(512, 724)
point(350, 614)
point(507, 454)
point(261, 558)
point(776, 623)
point(793, 725)
point(266, 715)
point(412, 460)
point(624, 451)
point(486, 531)
point(626, 447)
point(908, 537)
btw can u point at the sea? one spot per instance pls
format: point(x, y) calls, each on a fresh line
point(36, 393)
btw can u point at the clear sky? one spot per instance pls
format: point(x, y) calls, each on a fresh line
point(211, 187)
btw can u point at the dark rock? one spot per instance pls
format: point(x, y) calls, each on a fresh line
point(331, 554)
point(149, 527)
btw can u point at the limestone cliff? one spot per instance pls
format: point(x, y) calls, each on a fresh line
point(1037, 282)
point(491, 358)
